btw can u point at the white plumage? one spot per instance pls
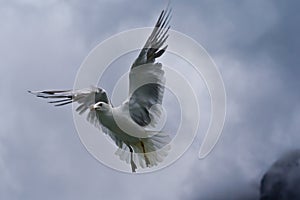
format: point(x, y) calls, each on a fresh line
point(131, 124)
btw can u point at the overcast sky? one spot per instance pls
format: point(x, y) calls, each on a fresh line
point(42, 44)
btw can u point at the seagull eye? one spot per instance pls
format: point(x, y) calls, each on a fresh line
point(101, 104)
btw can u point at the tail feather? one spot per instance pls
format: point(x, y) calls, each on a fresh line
point(149, 152)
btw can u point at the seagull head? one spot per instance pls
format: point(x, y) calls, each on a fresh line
point(100, 106)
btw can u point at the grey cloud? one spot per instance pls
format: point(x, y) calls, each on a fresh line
point(262, 102)
point(254, 43)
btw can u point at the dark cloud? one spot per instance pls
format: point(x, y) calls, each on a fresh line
point(282, 180)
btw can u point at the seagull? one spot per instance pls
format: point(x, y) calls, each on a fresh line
point(130, 125)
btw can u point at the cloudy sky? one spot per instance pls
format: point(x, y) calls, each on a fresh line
point(42, 44)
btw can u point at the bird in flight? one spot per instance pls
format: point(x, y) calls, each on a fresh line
point(130, 125)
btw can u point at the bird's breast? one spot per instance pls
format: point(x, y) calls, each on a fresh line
point(124, 122)
point(108, 121)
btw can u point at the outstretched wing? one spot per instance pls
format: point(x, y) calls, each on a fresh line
point(146, 77)
point(84, 97)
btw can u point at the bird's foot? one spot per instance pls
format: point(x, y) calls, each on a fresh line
point(145, 156)
point(133, 166)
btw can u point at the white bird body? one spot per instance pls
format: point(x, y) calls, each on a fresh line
point(118, 121)
point(124, 121)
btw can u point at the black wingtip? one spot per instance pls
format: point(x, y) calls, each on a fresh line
point(62, 104)
point(31, 92)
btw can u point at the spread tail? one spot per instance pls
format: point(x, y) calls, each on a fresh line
point(148, 152)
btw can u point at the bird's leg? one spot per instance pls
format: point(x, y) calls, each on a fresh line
point(133, 166)
point(146, 158)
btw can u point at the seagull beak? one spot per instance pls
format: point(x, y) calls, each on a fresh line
point(93, 107)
